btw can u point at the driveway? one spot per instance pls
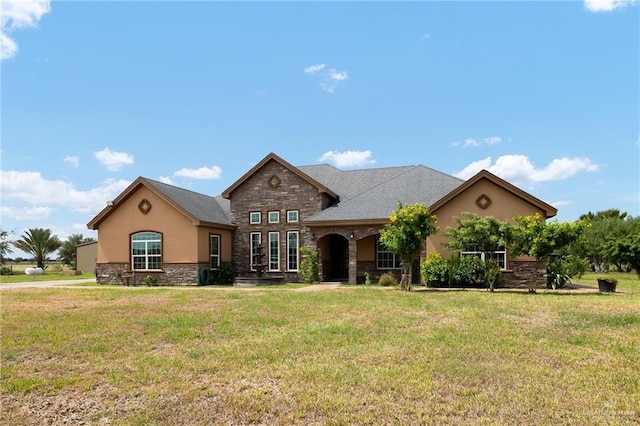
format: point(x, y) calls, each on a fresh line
point(44, 284)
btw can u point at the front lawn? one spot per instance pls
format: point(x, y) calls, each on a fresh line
point(353, 355)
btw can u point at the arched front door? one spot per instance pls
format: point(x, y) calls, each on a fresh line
point(334, 252)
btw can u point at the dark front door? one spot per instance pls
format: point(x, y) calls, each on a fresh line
point(338, 258)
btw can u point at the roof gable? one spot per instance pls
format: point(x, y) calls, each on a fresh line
point(548, 209)
point(199, 208)
point(273, 157)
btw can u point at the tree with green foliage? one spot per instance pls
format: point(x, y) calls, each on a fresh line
point(67, 252)
point(5, 247)
point(599, 242)
point(533, 236)
point(624, 251)
point(480, 233)
point(405, 235)
point(38, 242)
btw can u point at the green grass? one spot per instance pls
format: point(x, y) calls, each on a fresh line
point(627, 282)
point(355, 355)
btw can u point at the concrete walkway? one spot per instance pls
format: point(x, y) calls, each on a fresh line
point(45, 284)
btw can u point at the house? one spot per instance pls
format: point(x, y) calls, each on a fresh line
point(263, 220)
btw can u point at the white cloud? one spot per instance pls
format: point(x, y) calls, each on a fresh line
point(166, 179)
point(607, 5)
point(329, 77)
point(72, 159)
point(314, 68)
point(492, 140)
point(518, 169)
point(34, 190)
point(347, 158)
point(26, 213)
point(471, 142)
point(561, 203)
point(15, 14)
point(213, 172)
point(113, 161)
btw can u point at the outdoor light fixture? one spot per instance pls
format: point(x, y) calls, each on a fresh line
point(352, 234)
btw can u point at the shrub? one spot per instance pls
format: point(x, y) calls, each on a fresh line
point(434, 271)
point(309, 265)
point(226, 275)
point(468, 271)
point(149, 280)
point(388, 280)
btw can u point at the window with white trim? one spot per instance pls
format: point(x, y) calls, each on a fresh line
point(274, 251)
point(385, 258)
point(256, 240)
point(274, 217)
point(292, 250)
point(146, 251)
point(499, 255)
point(255, 218)
point(292, 216)
point(214, 251)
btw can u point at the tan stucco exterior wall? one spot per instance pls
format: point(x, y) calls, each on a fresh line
point(178, 232)
point(504, 205)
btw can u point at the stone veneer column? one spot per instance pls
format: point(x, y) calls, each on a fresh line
point(353, 261)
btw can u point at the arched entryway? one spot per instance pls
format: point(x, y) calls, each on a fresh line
point(334, 258)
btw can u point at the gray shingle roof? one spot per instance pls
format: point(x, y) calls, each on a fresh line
point(372, 194)
point(203, 207)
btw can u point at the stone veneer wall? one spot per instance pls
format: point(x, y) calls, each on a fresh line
point(271, 188)
point(171, 274)
point(521, 273)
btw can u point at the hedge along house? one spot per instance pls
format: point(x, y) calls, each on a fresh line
point(266, 216)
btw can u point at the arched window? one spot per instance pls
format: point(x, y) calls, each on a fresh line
point(146, 251)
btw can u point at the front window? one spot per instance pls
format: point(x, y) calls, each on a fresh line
point(256, 250)
point(214, 251)
point(499, 256)
point(255, 218)
point(274, 251)
point(292, 251)
point(292, 216)
point(385, 258)
point(146, 251)
point(274, 217)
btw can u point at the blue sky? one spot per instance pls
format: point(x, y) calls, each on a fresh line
point(95, 94)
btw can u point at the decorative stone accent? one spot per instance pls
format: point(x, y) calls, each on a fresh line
point(522, 273)
point(144, 206)
point(171, 274)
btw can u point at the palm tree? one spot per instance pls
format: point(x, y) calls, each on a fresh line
point(39, 242)
point(67, 252)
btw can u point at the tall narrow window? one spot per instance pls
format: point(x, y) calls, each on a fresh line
point(214, 251)
point(146, 251)
point(256, 250)
point(292, 250)
point(274, 251)
point(385, 258)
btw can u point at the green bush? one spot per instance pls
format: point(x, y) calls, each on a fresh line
point(309, 265)
point(434, 271)
point(388, 280)
point(226, 275)
point(468, 271)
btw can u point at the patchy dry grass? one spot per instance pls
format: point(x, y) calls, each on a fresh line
point(356, 355)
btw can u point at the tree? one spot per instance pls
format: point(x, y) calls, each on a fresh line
point(485, 234)
point(5, 248)
point(39, 242)
point(405, 235)
point(600, 239)
point(534, 237)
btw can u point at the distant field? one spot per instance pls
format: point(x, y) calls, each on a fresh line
point(354, 355)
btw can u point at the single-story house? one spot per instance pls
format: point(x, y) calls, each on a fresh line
point(263, 220)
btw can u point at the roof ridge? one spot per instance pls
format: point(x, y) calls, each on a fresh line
point(153, 181)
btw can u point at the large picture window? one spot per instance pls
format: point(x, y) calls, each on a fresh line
point(214, 251)
point(499, 256)
point(146, 251)
point(256, 249)
point(274, 251)
point(292, 250)
point(385, 258)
